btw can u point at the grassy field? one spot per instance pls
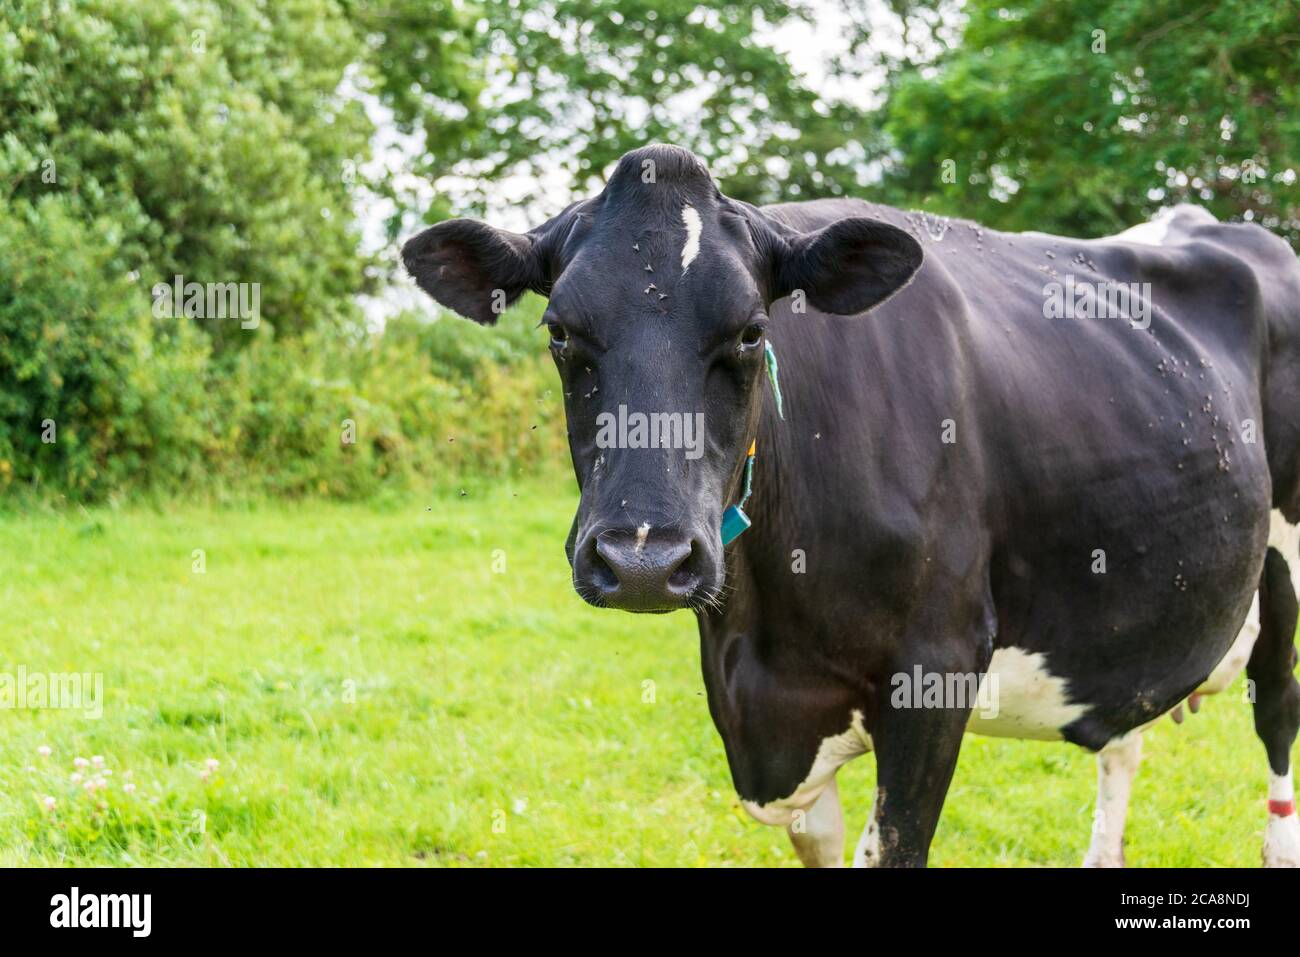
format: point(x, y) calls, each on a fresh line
point(368, 685)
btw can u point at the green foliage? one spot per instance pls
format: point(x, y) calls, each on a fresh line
point(577, 83)
point(85, 400)
point(1084, 118)
point(213, 135)
point(439, 403)
point(424, 403)
point(214, 140)
point(427, 68)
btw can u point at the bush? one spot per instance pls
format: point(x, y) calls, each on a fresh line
point(217, 140)
point(141, 405)
point(212, 134)
point(87, 395)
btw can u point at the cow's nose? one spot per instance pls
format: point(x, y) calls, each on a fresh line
point(641, 570)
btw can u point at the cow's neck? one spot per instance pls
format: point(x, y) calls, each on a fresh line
point(745, 570)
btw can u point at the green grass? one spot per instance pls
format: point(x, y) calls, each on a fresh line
point(375, 693)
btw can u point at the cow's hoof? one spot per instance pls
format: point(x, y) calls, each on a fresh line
point(1104, 860)
point(1282, 841)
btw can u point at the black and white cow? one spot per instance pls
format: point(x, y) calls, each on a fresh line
point(965, 483)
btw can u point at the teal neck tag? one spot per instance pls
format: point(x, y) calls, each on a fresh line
point(734, 521)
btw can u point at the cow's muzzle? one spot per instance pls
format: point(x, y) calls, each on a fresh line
point(642, 569)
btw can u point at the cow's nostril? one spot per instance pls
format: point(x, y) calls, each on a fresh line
point(684, 578)
point(596, 569)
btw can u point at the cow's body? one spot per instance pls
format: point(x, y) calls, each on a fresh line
point(961, 485)
point(1075, 445)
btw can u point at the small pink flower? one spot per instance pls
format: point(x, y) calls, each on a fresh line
point(48, 802)
point(44, 750)
point(80, 762)
point(97, 760)
point(76, 777)
point(128, 788)
point(213, 764)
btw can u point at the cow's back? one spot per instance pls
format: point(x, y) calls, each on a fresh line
point(1275, 292)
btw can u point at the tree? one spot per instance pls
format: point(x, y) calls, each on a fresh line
point(1086, 117)
point(143, 141)
point(577, 83)
point(216, 136)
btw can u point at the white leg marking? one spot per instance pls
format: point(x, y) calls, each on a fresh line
point(1117, 765)
point(867, 853)
point(691, 249)
point(1282, 833)
point(832, 754)
point(818, 833)
point(1030, 701)
point(1285, 537)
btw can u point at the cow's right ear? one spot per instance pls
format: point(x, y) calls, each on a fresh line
point(846, 267)
point(472, 268)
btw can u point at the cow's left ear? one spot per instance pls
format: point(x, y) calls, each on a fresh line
point(472, 268)
point(847, 267)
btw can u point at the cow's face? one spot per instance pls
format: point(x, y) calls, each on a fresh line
point(659, 291)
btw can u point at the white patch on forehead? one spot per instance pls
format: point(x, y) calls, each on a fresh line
point(694, 227)
point(641, 534)
point(1031, 701)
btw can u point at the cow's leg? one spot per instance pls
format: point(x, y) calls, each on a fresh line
point(1277, 706)
point(916, 753)
point(818, 833)
point(1117, 766)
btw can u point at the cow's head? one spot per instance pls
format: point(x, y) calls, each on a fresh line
point(659, 292)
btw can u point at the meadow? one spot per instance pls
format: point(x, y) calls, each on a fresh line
point(414, 682)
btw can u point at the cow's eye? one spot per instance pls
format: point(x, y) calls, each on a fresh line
point(751, 336)
point(558, 335)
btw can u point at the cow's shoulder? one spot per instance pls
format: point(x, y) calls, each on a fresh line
point(1201, 242)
